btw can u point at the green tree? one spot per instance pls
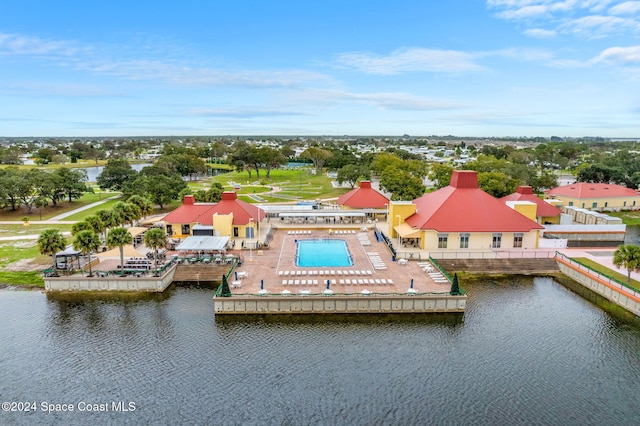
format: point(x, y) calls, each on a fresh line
point(95, 223)
point(51, 241)
point(440, 175)
point(119, 237)
point(87, 242)
point(128, 212)
point(144, 204)
point(155, 238)
point(497, 184)
point(110, 219)
point(116, 174)
point(401, 184)
point(78, 227)
point(317, 155)
point(628, 256)
point(70, 182)
point(351, 173)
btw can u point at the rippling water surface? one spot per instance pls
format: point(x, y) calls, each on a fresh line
point(527, 351)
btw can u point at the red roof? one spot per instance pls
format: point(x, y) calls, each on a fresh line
point(525, 193)
point(592, 190)
point(190, 212)
point(464, 207)
point(364, 197)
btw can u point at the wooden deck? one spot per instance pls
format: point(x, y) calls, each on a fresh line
point(501, 266)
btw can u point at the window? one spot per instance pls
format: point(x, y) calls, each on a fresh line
point(583, 205)
point(594, 205)
point(169, 230)
point(624, 204)
point(442, 240)
point(570, 203)
point(606, 204)
point(517, 239)
point(186, 229)
point(464, 240)
point(497, 240)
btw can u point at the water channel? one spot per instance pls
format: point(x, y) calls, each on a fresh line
point(527, 351)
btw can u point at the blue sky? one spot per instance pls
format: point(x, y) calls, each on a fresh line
point(250, 67)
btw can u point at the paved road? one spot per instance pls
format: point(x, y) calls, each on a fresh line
point(79, 209)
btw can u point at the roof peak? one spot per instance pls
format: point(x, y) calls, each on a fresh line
point(464, 179)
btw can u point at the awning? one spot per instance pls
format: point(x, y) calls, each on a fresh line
point(406, 231)
point(127, 250)
point(316, 213)
point(136, 230)
point(203, 243)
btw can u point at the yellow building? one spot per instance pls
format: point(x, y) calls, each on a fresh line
point(596, 196)
point(463, 217)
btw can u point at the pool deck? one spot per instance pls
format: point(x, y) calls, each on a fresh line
point(374, 276)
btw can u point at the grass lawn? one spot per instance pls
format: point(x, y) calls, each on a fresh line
point(22, 264)
point(628, 218)
point(49, 212)
point(609, 272)
point(81, 215)
point(18, 230)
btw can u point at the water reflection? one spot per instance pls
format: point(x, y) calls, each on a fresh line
point(528, 351)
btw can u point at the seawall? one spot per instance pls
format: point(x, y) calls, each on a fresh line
point(600, 284)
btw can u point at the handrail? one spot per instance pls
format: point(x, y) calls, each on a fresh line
point(611, 280)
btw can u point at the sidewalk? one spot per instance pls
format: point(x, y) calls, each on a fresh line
point(79, 209)
point(603, 256)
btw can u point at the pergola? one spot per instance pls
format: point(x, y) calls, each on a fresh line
point(203, 244)
point(333, 216)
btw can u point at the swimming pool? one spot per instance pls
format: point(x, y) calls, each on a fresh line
point(325, 252)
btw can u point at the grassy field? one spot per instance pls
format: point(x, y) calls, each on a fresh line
point(628, 218)
point(21, 263)
point(609, 272)
point(49, 212)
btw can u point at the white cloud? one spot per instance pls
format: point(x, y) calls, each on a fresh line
point(583, 18)
point(13, 44)
point(598, 26)
point(619, 55)
point(626, 8)
point(410, 60)
point(540, 33)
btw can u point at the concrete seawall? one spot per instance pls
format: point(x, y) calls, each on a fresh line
point(110, 283)
point(600, 284)
point(276, 304)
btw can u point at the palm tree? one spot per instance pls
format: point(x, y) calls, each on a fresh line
point(79, 227)
point(87, 242)
point(119, 237)
point(96, 224)
point(155, 238)
point(128, 212)
point(145, 205)
point(110, 219)
point(50, 242)
point(627, 255)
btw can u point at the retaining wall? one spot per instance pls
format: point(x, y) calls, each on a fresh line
point(277, 304)
point(601, 284)
point(110, 283)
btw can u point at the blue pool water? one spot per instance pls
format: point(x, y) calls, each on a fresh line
point(313, 253)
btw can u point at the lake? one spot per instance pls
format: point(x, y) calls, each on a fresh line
point(527, 351)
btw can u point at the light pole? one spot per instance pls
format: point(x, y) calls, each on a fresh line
point(250, 247)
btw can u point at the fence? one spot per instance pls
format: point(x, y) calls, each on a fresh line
point(611, 281)
point(515, 254)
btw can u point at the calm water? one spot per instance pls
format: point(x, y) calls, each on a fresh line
point(528, 351)
point(314, 253)
point(94, 172)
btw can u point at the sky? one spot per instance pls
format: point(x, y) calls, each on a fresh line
point(350, 67)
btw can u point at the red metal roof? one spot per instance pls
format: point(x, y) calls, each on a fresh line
point(525, 193)
point(464, 207)
point(592, 190)
point(364, 197)
point(190, 212)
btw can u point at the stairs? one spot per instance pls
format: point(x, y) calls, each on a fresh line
point(200, 273)
point(501, 266)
